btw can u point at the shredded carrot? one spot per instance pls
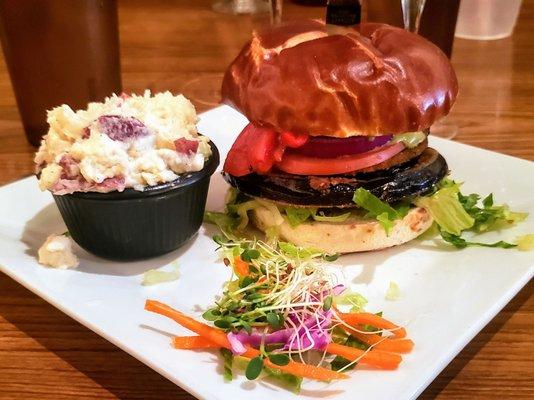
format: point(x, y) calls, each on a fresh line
point(375, 358)
point(219, 338)
point(382, 343)
point(363, 318)
point(193, 342)
point(241, 267)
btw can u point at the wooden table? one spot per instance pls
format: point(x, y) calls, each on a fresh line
point(181, 46)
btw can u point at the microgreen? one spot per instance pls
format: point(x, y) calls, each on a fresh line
point(279, 359)
point(254, 368)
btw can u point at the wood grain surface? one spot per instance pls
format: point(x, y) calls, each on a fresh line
point(184, 47)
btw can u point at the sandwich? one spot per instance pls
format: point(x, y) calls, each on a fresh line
point(336, 148)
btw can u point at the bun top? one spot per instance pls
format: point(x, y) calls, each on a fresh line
point(322, 80)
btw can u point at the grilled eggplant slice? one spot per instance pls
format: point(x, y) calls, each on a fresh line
point(412, 178)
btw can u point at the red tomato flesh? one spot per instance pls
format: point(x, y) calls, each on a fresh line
point(257, 149)
point(299, 164)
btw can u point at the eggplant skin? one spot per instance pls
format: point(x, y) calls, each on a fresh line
point(413, 178)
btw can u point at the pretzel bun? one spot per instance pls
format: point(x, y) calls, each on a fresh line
point(367, 80)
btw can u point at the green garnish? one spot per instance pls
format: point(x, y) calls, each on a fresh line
point(378, 209)
point(355, 300)
point(298, 215)
point(279, 359)
point(455, 213)
point(254, 368)
point(327, 304)
point(461, 243)
point(228, 359)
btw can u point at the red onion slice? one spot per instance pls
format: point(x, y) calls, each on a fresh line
point(328, 147)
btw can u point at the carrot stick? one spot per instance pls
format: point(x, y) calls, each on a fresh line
point(241, 267)
point(363, 318)
point(382, 343)
point(375, 358)
point(192, 342)
point(219, 338)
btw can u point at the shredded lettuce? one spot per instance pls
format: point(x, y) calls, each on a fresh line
point(460, 243)
point(410, 139)
point(224, 221)
point(489, 216)
point(525, 242)
point(355, 300)
point(320, 217)
point(447, 210)
point(302, 253)
point(298, 215)
point(393, 292)
point(378, 209)
point(154, 276)
point(455, 213)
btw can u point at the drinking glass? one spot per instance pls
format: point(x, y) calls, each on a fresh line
point(59, 52)
point(412, 11)
point(204, 90)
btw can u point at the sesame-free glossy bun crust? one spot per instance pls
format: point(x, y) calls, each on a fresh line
point(370, 79)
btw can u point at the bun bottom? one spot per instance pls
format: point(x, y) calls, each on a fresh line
point(351, 236)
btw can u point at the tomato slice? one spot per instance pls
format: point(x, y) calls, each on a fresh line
point(294, 140)
point(257, 149)
point(253, 150)
point(299, 164)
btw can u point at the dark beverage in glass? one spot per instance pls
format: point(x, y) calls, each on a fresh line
point(59, 51)
point(438, 20)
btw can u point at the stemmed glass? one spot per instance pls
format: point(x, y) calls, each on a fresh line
point(411, 13)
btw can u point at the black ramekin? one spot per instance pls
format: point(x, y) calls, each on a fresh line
point(132, 225)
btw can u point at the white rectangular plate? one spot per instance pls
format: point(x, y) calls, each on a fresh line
point(447, 295)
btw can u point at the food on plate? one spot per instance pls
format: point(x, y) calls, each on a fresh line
point(333, 113)
point(284, 305)
point(130, 175)
point(56, 252)
point(335, 155)
point(124, 142)
point(157, 276)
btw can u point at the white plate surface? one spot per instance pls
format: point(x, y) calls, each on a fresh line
point(447, 296)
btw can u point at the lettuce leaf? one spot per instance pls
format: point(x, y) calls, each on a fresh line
point(224, 221)
point(455, 213)
point(298, 215)
point(460, 243)
point(525, 242)
point(393, 292)
point(489, 216)
point(447, 210)
point(155, 276)
point(355, 300)
point(320, 217)
point(378, 209)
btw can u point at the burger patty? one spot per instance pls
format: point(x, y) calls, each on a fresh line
point(410, 176)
